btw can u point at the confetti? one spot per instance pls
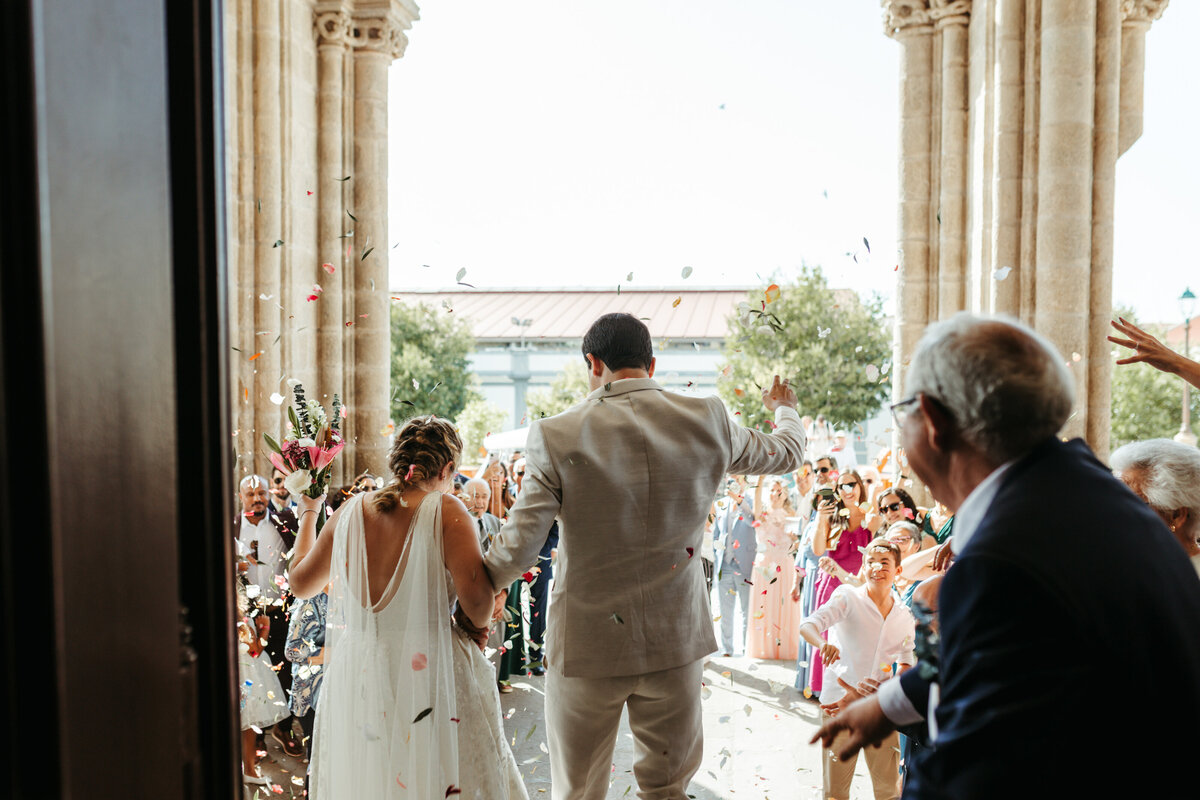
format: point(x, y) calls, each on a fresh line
point(772, 293)
point(422, 715)
point(872, 372)
point(462, 273)
point(256, 355)
point(687, 273)
point(866, 244)
point(342, 180)
point(678, 300)
point(617, 618)
point(277, 398)
point(278, 243)
point(629, 278)
point(1002, 273)
point(419, 662)
point(328, 268)
point(1076, 357)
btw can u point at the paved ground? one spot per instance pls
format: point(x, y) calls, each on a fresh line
point(756, 732)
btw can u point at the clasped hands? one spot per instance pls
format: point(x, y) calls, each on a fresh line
point(477, 634)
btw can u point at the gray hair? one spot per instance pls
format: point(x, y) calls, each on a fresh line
point(1006, 387)
point(249, 480)
point(478, 483)
point(1169, 474)
point(903, 526)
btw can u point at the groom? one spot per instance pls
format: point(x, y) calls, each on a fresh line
point(630, 473)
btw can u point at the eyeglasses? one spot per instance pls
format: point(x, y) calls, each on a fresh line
point(823, 470)
point(891, 507)
point(520, 473)
point(278, 481)
point(849, 485)
point(898, 407)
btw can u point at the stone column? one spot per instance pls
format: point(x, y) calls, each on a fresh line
point(1136, 17)
point(378, 38)
point(1065, 164)
point(1007, 151)
point(951, 25)
point(332, 27)
point(1104, 175)
point(910, 25)
point(268, 222)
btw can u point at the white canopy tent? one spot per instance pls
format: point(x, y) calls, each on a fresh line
point(507, 440)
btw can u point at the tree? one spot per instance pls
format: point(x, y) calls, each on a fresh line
point(568, 388)
point(1146, 403)
point(431, 373)
point(833, 347)
point(476, 421)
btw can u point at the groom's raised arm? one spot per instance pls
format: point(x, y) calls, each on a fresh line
point(515, 549)
point(758, 453)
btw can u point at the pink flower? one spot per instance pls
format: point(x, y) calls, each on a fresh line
point(278, 463)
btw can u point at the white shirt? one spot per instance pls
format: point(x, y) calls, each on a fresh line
point(869, 643)
point(1196, 563)
point(270, 555)
point(892, 699)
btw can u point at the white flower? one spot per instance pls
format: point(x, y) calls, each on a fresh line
point(299, 481)
point(306, 442)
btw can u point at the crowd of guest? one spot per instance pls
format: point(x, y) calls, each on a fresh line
point(829, 567)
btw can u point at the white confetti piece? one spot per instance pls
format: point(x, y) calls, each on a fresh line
point(277, 398)
point(872, 372)
point(687, 273)
point(1002, 273)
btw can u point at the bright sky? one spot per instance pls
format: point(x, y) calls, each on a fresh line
point(559, 142)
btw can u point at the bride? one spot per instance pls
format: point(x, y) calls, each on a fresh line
point(408, 706)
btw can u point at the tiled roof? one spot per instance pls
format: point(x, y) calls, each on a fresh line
point(565, 314)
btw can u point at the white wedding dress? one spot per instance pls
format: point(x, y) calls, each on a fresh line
point(408, 707)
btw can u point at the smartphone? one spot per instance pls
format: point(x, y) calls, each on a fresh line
point(826, 494)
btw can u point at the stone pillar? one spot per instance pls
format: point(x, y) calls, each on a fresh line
point(1007, 159)
point(1136, 17)
point(913, 29)
point(332, 28)
point(268, 225)
point(378, 38)
point(951, 29)
point(1104, 174)
point(1065, 169)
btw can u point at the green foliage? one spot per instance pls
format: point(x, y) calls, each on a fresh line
point(474, 424)
point(430, 370)
point(834, 348)
point(1146, 403)
point(568, 388)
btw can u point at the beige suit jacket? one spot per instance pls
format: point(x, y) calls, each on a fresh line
point(631, 473)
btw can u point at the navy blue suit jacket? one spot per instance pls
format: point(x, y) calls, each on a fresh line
point(1070, 644)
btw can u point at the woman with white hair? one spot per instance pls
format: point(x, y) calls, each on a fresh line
point(1166, 474)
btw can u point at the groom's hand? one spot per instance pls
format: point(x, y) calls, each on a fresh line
point(778, 394)
point(864, 720)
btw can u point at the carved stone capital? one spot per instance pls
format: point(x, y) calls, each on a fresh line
point(950, 12)
point(902, 15)
point(331, 27)
point(379, 25)
point(1141, 12)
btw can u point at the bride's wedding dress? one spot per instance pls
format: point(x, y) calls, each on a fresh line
point(408, 707)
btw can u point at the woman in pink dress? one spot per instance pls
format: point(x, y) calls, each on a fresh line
point(841, 531)
point(775, 616)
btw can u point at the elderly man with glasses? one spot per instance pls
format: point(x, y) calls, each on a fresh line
point(1015, 695)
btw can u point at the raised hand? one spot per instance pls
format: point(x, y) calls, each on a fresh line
point(778, 394)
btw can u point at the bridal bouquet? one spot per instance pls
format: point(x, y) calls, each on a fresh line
point(305, 456)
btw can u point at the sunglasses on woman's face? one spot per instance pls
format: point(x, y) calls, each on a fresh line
point(890, 507)
point(847, 486)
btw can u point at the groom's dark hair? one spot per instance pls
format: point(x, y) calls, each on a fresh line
point(621, 341)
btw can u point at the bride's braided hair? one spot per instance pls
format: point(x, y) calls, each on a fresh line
point(423, 447)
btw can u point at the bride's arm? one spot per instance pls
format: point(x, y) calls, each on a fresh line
point(464, 559)
point(309, 571)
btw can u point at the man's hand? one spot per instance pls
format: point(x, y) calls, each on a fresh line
point(498, 608)
point(942, 556)
point(852, 694)
point(829, 654)
point(778, 394)
point(477, 635)
point(864, 720)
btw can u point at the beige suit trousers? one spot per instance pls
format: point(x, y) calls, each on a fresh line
point(582, 716)
point(883, 763)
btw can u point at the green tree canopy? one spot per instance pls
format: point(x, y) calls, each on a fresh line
point(430, 370)
point(833, 347)
point(568, 388)
point(1146, 403)
point(476, 421)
